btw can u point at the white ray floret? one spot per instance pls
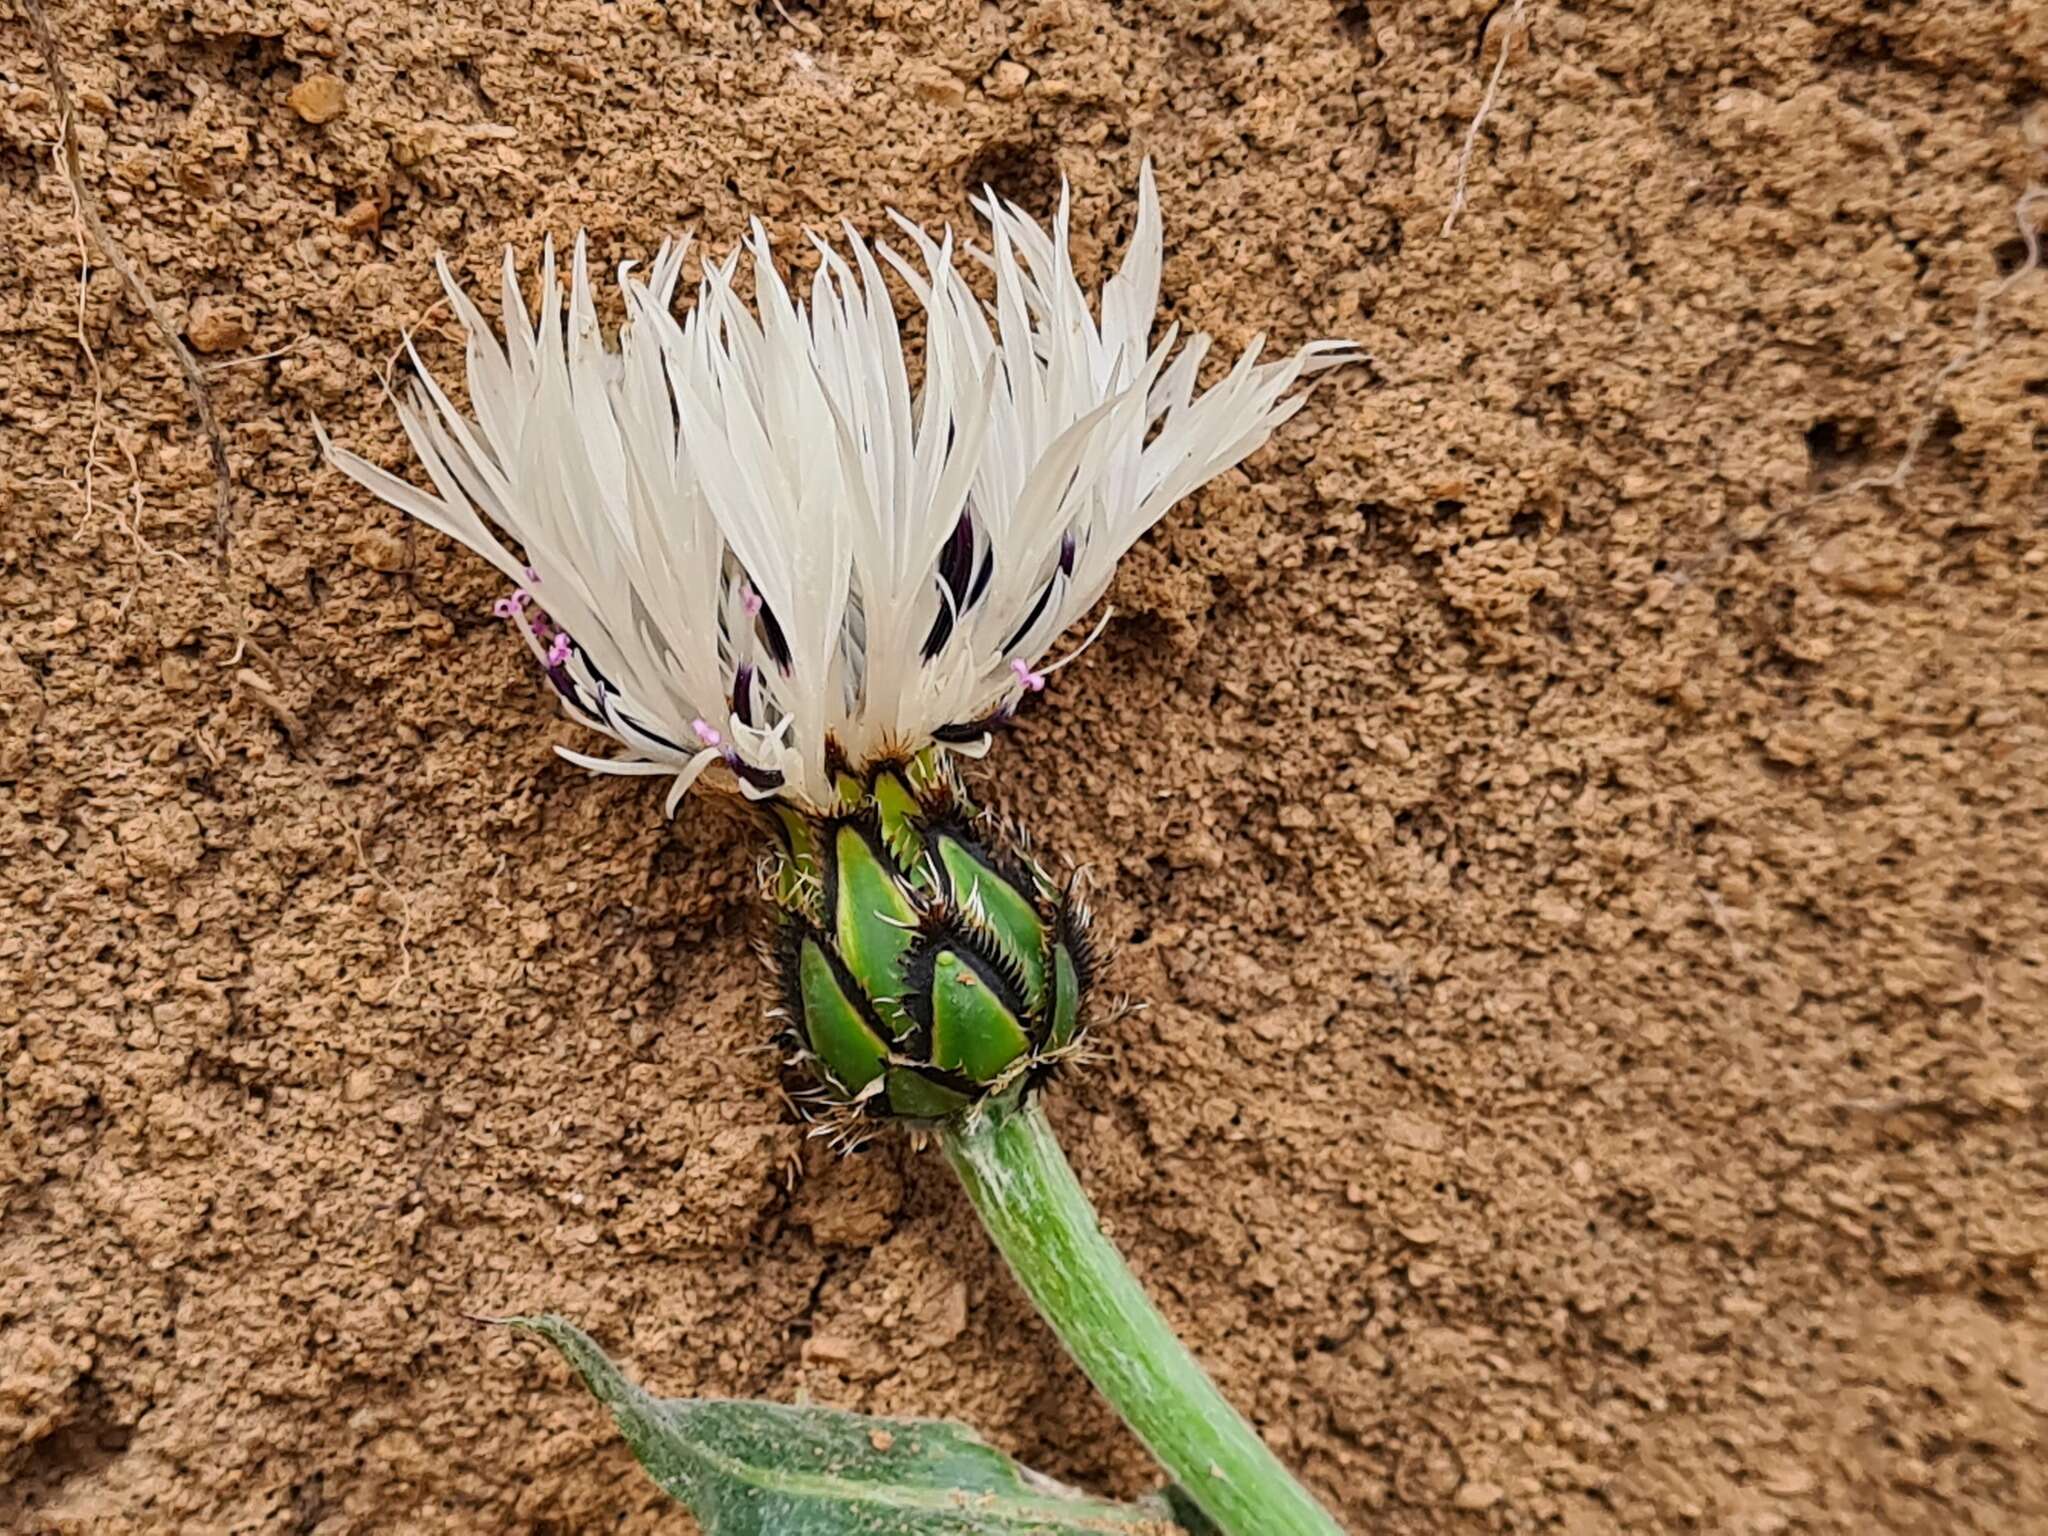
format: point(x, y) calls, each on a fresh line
point(741, 537)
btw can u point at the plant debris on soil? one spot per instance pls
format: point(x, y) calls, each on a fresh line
point(1577, 818)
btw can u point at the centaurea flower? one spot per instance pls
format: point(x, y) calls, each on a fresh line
point(741, 536)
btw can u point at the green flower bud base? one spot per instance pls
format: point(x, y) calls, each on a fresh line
point(928, 963)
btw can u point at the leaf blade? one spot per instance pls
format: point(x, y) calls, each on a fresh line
point(768, 1469)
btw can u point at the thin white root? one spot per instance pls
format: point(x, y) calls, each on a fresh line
point(116, 257)
point(1509, 31)
point(1980, 341)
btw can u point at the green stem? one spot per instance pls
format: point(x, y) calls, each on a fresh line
point(1034, 1208)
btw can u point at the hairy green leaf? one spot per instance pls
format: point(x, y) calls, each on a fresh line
point(763, 1469)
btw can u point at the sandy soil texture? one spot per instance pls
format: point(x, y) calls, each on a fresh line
point(1575, 803)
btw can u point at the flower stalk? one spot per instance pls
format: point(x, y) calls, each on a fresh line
point(1022, 1187)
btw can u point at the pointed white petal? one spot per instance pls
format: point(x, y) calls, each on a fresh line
point(745, 515)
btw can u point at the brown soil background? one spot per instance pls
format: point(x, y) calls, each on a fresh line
point(1588, 879)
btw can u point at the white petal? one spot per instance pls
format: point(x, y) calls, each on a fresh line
point(757, 486)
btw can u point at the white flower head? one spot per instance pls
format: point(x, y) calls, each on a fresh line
point(743, 537)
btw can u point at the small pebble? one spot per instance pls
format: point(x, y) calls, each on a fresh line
point(378, 549)
point(1007, 80)
point(319, 98)
point(364, 217)
point(216, 327)
point(1476, 1496)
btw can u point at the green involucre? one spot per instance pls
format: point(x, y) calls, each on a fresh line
point(899, 813)
point(973, 1030)
point(1066, 995)
point(923, 953)
point(851, 1051)
point(873, 919)
point(916, 1097)
point(1004, 913)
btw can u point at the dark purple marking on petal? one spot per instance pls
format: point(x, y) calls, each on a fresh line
point(973, 730)
point(572, 694)
point(652, 735)
point(956, 569)
point(942, 629)
point(778, 643)
point(760, 778)
point(1037, 611)
point(956, 560)
point(743, 693)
